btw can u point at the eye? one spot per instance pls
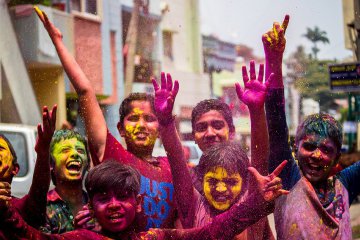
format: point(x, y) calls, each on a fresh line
point(65, 150)
point(309, 146)
point(150, 118)
point(328, 150)
point(81, 150)
point(133, 118)
point(218, 125)
point(231, 182)
point(201, 127)
point(212, 181)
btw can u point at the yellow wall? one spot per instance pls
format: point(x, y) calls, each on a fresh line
point(49, 87)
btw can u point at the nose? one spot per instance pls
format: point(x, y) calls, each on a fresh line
point(221, 187)
point(210, 132)
point(114, 203)
point(317, 154)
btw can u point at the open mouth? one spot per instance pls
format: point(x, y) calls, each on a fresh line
point(74, 166)
point(314, 167)
point(141, 135)
point(221, 198)
point(116, 217)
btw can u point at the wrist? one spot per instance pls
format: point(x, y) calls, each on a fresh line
point(166, 121)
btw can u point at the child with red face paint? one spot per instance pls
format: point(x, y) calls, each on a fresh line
point(117, 208)
point(317, 206)
point(32, 207)
point(222, 168)
point(138, 125)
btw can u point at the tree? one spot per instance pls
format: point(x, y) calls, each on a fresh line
point(316, 35)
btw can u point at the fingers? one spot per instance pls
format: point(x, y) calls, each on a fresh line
point(254, 172)
point(275, 31)
point(40, 131)
point(3, 170)
point(252, 70)
point(244, 74)
point(163, 80)
point(266, 39)
point(169, 82)
point(261, 73)
point(278, 170)
point(39, 13)
point(285, 23)
point(156, 86)
point(53, 116)
point(239, 90)
point(176, 88)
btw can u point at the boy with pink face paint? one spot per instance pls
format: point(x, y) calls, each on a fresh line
point(228, 170)
point(138, 125)
point(317, 206)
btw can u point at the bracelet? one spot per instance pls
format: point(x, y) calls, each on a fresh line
point(167, 121)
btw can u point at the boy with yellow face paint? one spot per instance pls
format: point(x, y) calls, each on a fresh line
point(223, 166)
point(31, 207)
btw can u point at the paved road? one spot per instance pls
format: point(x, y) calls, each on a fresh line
point(354, 216)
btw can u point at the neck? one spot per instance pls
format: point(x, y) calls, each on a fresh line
point(123, 235)
point(72, 194)
point(143, 154)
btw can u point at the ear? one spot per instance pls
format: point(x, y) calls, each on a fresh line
point(121, 129)
point(139, 201)
point(15, 169)
point(231, 135)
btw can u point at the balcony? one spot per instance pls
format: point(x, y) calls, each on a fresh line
point(35, 43)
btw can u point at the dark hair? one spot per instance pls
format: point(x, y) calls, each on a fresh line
point(12, 150)
point(320, 124)
point(228, 155)
point(61, 135)
point(111, 175)
point(212, 104)
point(125, 107)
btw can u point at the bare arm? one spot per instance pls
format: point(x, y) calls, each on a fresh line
point(90, 110)
point(253, 96)
point(184, 190)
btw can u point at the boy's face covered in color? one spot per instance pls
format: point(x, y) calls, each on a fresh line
point(316, 155)
point(221, 189)
point(140, 128)
point(6, 158)
point(70, 160)
point(115, 212)
point(211, 128)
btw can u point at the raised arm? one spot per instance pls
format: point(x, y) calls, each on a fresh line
point(36, 200)
point(253, 95)
point(89, 108)
point(164, 102)
point(274, 45)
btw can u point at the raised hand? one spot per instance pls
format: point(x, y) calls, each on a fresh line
point(269, 186)
point(254, 92)
point(165, 98)
point(85, 219)
point(274, 40)
point(5, 190)
point(54, 33)
point(46, 130)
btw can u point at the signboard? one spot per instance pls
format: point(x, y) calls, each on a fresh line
point(345, 77)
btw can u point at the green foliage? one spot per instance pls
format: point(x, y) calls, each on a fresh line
point(316, 35)
point(34, 2)
point(311, 78)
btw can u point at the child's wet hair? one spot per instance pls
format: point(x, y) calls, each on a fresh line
point(112, 176)
point(125, 107)
point(212, 104)
point(320, 124)
point(12, 150)
point(228, 155)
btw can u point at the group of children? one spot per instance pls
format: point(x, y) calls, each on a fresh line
point(130, 194)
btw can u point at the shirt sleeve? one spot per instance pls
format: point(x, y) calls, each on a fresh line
point(279, 138)
point(350, 178)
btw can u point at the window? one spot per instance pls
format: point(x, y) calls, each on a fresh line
point(87, 6)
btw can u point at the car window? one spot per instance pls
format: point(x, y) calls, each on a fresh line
point(18, 141)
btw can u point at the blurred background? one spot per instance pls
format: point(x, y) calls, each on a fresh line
point(121, 44)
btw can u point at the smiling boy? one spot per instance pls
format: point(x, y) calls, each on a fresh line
point(317, 206)
point(69, 162)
